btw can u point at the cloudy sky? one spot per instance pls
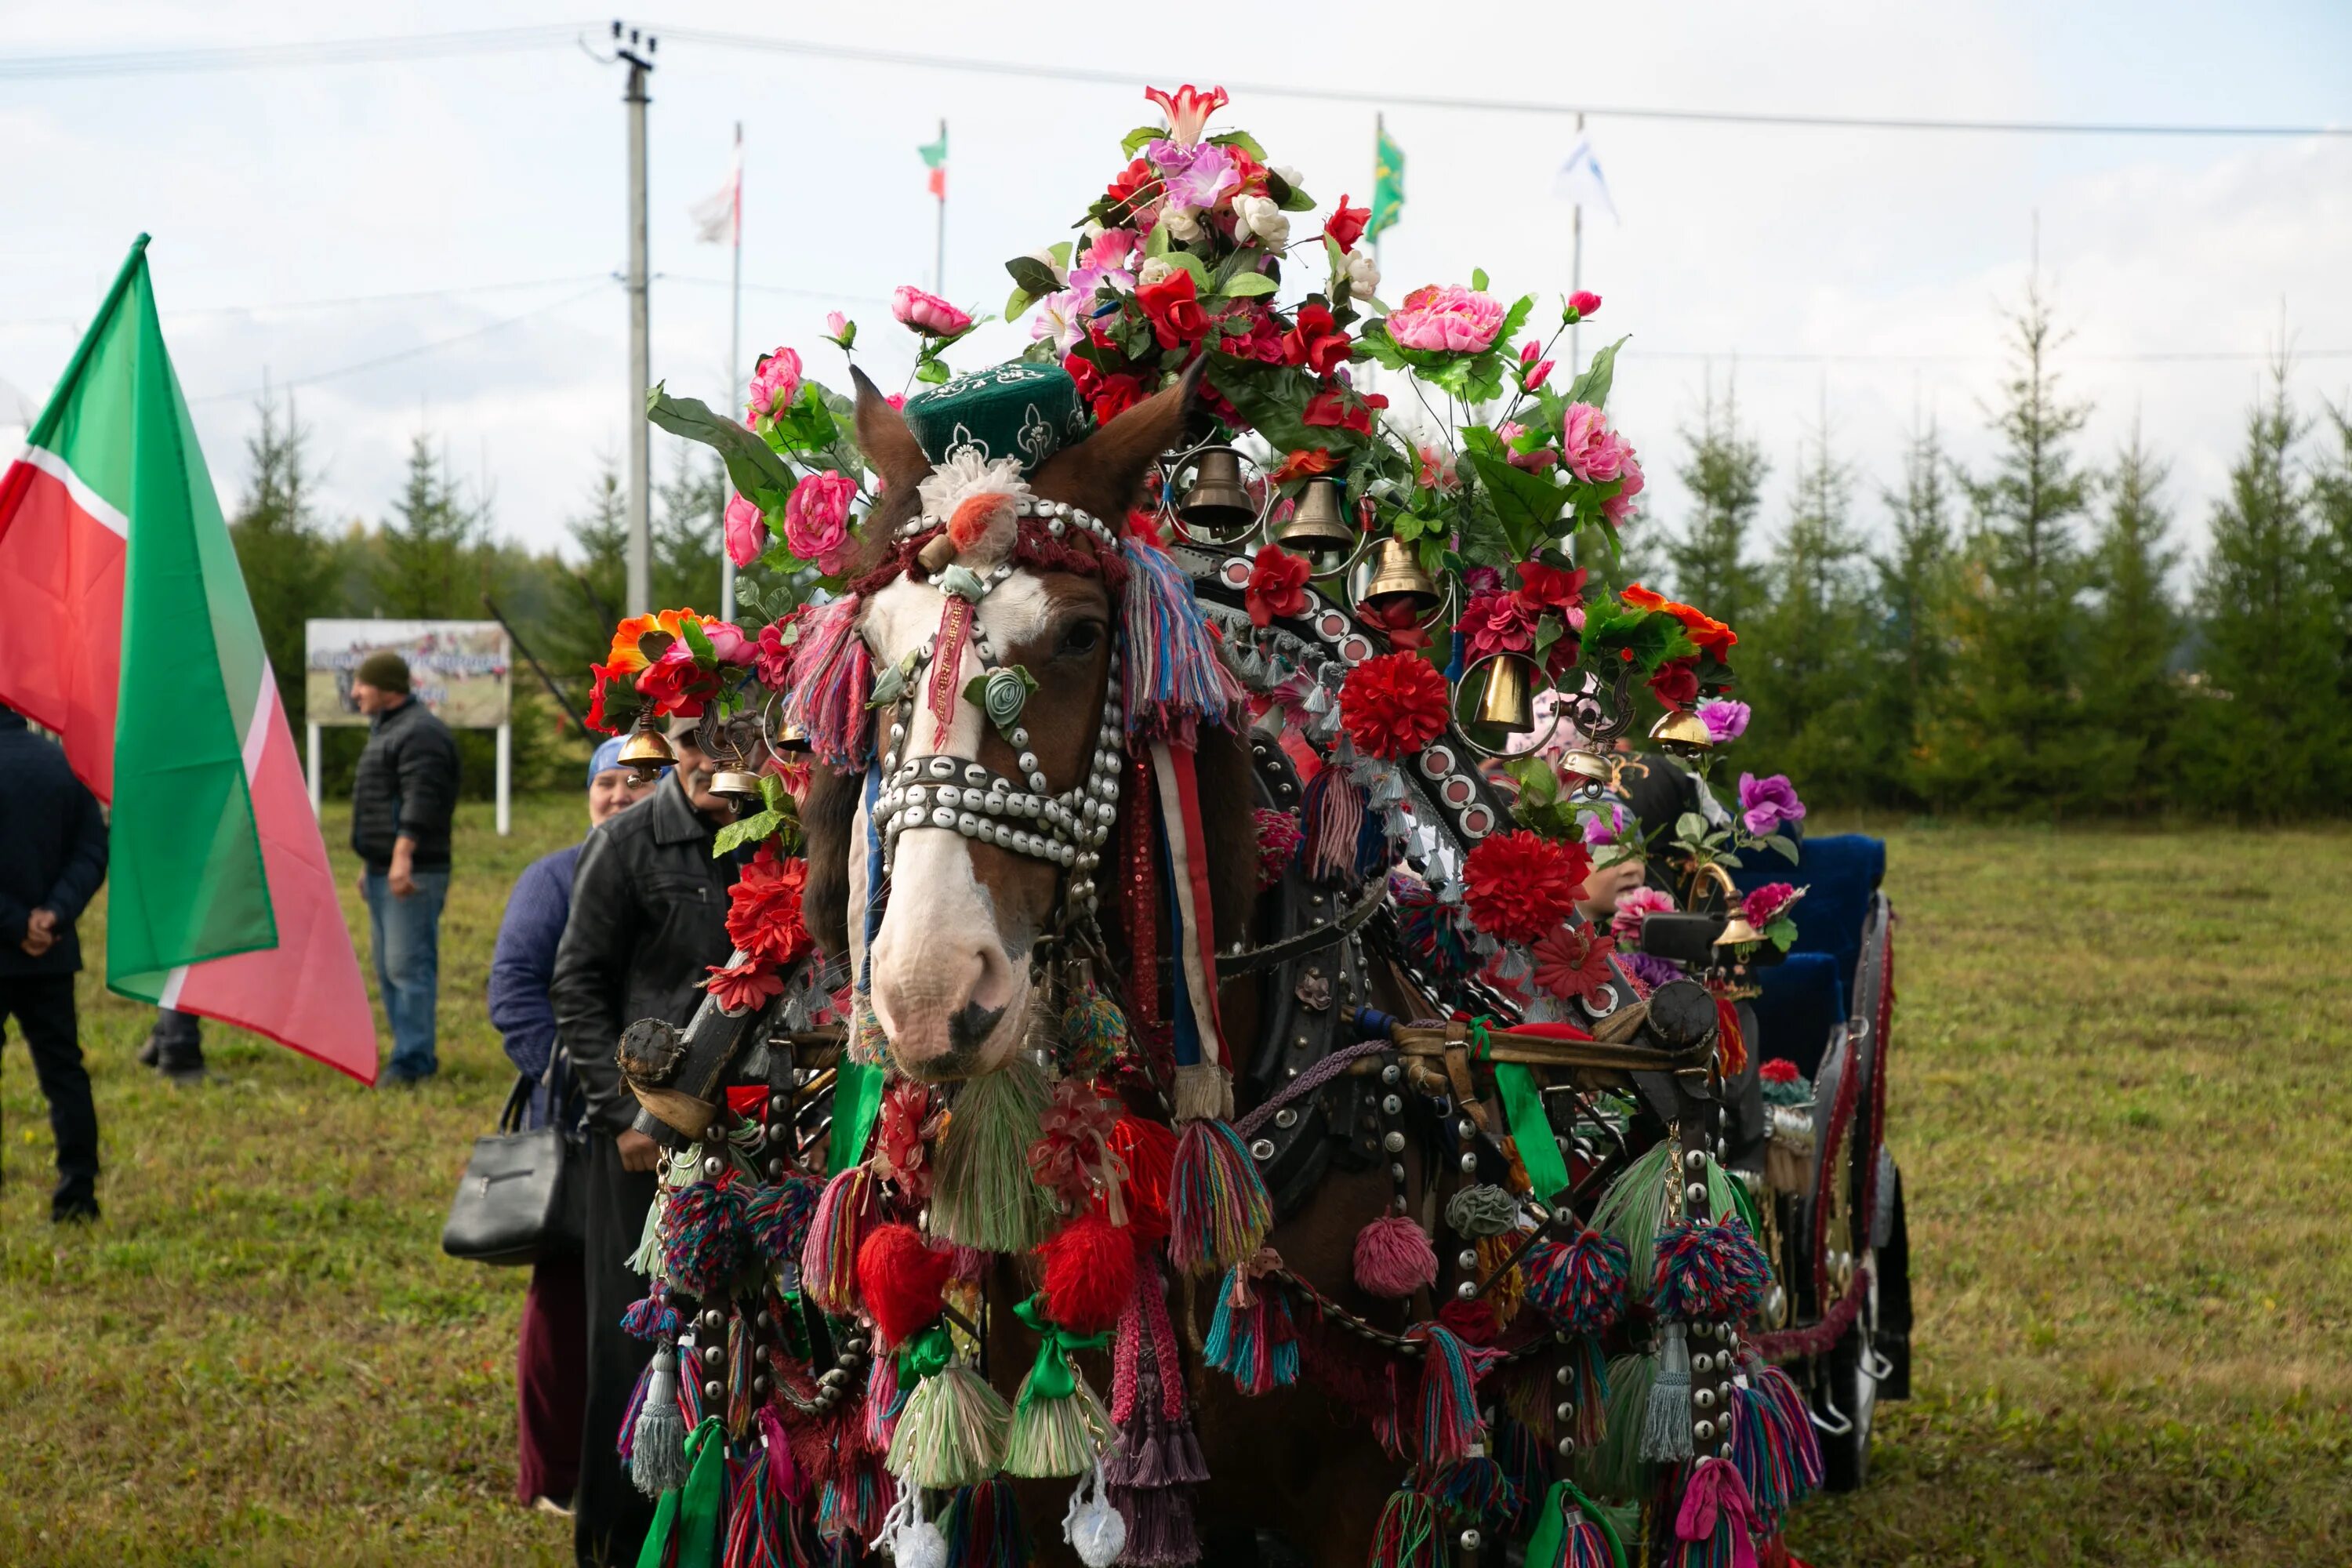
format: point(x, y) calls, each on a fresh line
point(429, 244)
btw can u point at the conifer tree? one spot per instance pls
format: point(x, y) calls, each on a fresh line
point(2127, 681)
point(2270, 650)
point(690, 530)
point(2331, 508)
point(431, 565)
point(287, 573)
point(1723, 472)
point(2013, 735)
point(1801, 660)
point(1910, 658)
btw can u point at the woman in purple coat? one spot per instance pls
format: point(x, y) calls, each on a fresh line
point(551, 1362)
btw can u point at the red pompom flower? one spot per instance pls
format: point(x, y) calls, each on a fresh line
point(1520, 885)
point(1393, 705)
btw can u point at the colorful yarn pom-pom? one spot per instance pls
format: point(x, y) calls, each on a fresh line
point(1709, 1269)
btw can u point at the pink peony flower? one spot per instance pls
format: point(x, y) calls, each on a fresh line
point(1632, 907)
point(1726, 721)
point(1620, 507)
point(1496, 622)
point(775, 383)
point(1594, 452)
point(927, 313)
point(747, 531)
point(1450, 320)
point(816, 520)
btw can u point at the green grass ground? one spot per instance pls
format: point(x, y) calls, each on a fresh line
point(2118, 1098)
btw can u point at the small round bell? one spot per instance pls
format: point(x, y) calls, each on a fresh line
point(1682, 732)
point(1395, 577)
point(1319, 530)
point(1590, 766)
point(1737, 931)
point(791, 737)
point(648, 751)
point(1217, 503)
point(737, 788)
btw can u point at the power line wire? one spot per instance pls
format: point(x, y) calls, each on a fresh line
point(275, 307)
point(352, 51)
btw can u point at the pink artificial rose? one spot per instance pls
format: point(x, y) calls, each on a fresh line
point(839, 330)
point(775, 383)
point(728, 644)
point(1538, 375)
point(927, 313)
point(816, 520)
point(1594, 452)
point(1450, 320)
point(747, 531)
point(1581, 304)
point(1496, 622)
point(1620, 507)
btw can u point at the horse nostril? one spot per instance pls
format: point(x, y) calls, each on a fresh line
point(970, 1026)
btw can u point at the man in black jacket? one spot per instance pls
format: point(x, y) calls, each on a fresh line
point(52, 859)
point(648, 918)
point(403, 796)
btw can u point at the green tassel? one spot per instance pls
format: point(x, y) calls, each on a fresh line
point(1616, 1468)
point(984, 1195)
point(1056, 1436)
point(1634, 1210)
point(952, 1432)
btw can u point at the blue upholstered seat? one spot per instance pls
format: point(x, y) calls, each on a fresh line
point(1805, 996)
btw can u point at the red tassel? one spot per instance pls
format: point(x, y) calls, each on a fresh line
point(1090, 1273)
point(1149, 1151)
point(902, 1277)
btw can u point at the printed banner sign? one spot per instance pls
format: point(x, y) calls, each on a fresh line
point(458, 668)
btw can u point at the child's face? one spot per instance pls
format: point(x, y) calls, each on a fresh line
point(1604, 885)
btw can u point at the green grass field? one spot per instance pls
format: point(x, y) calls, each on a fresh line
point(2119, 1096)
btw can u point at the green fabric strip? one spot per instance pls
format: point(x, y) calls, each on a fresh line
point(692, 1513)
point(858, 1099)
point(1531, 1130)
point(1544, 1547)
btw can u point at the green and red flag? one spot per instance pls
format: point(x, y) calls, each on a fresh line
point(126, 628)
point(935, 159)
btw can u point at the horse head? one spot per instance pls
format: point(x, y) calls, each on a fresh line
point(990, 829)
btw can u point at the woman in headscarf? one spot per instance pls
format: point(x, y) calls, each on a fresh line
point(551, 1364)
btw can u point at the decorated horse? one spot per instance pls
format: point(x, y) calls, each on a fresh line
point(1167, 1104)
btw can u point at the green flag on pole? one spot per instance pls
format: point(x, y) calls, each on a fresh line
point(935, 159)
point(1387, 180)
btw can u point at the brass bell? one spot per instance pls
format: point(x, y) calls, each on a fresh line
point(1397, 578)
point(1508, 702)
point(1319, 530)
point(1590, 766)
point(737, 787)
point(646, 750)
point(1216, 503)
point(1737, 931)
point(791, 737)
point(1682, 732)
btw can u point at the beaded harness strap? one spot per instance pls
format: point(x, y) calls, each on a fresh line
point(964, 796)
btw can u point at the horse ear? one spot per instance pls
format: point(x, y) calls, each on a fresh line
point(884, 438)
point(1103, 473)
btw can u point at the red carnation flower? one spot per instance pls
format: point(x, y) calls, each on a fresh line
point(1346, 225)
point(763, 909)
point(740, 987)
point(1393, 705)
point(1675, 684)
point(1173, 309)
point(1278, 586)
point(1573, 961)
point(1520, 885)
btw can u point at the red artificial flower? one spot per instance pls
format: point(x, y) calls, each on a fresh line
point(1711, 636)
point(677, 684)
point(1305, 463)
point(1520, 885)
point(774, 662)
point(1400, 620)
point(1343, 408)
point(612, 677)
point(1582, 304)
point(1573, 961)
point(1779, 1070)
point(1561, 656)
point(1278, 586)
point(1278, 838)
point(740, 987)
point(902, 1130)
point(1073, 1143)
point(1543, 587)
point(1393, 705)
point(1675, 684)
point(1260, 334)
point(1316, 341)
point(1138, 176)
point(1346, 225)
point(763, 908)
point(1496, 622)
point(1768, 903)
point(1173, 309)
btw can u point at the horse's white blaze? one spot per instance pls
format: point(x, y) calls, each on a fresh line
point(938, 950)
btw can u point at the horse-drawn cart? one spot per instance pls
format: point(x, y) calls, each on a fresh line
point(1172, 969)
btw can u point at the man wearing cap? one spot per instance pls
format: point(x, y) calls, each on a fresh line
point(403, 797)
point(550, 1361)
point(648, 920)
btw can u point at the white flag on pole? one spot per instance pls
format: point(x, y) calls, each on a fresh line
point(718, 217)
point(1581, 181)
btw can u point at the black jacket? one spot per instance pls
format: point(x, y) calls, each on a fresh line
point(648, 918)
point(52, 847)
point(406, 784)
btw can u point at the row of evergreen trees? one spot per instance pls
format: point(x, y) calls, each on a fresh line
point(2022, 641)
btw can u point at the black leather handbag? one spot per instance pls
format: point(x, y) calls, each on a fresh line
point(520, 1199)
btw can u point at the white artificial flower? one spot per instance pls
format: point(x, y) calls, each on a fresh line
point(1181, 223)
point(1155, 267)
point(1363, 274)
point(1260, 216)
point(1289, 175)
point(1044, 255)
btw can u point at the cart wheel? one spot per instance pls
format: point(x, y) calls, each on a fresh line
point(1844, 1401)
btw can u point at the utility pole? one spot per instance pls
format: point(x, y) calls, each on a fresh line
point(734, 370)
point(939, 234)
point(639, 53)
point(1576, 274)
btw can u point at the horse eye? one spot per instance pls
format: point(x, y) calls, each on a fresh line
point(1083, 637)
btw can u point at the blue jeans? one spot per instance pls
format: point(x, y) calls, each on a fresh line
point(407, 935)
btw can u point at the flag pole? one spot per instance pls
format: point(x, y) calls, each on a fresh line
point(734, 375)
point(1575, 274)
point(939, 253)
